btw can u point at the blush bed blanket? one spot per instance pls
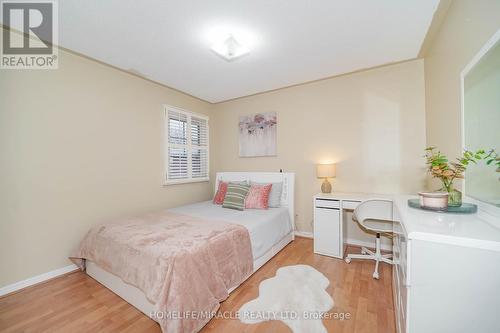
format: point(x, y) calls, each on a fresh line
point(184, 265)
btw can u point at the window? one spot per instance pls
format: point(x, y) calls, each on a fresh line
point(186, 146)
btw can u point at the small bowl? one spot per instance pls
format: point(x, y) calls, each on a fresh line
point(434, 200)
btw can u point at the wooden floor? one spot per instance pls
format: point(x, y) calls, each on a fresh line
point(77, 303)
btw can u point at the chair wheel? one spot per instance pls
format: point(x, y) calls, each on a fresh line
point(347, 260)
point(375, 275)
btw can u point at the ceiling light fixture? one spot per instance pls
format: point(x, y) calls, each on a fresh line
point(229, 48)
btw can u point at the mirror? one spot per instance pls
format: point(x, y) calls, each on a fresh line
point(481, 120)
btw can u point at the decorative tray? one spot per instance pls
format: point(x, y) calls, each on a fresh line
point(466, 208)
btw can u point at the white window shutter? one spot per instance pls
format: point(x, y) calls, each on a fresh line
point(199, 132)
point(199, 142)
point(199, 163)
point(177, 163)
point(187, 146)
point(177, 128)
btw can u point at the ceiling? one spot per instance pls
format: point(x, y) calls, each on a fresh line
point(291, 41)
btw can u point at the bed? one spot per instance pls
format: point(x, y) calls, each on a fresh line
point(269, 230)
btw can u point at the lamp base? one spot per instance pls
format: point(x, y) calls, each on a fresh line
point(326, 187)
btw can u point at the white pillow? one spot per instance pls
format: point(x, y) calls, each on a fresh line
point(239, 182)
point(275, 195)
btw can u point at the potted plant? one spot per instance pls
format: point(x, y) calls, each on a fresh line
point(440, 167)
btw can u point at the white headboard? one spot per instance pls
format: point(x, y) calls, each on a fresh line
point(287, 178)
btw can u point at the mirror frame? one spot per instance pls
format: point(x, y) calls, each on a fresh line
point(482, 206)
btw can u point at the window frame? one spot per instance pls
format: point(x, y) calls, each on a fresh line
point(189, 147)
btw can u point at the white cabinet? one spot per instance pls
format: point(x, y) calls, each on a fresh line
point(327, 227)
point(444, 281)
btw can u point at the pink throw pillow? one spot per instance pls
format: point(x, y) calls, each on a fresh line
point(258, 197)
point(221, 193)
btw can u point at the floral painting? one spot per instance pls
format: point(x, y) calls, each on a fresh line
point(258, 135)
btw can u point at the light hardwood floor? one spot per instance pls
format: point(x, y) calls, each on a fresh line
point(77, 303)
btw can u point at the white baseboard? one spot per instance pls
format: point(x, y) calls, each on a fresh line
point(37, 279)
point(356, 242)
point(304, 234)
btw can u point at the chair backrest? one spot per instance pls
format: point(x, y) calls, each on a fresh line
point(376, 209)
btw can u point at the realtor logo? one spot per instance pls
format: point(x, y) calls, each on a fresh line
point(28, 35)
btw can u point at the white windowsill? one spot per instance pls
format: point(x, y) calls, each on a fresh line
point(185, 181)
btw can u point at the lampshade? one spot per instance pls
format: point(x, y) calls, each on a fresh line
point(325, 170)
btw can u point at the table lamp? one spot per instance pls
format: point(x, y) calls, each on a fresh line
point(325, 171)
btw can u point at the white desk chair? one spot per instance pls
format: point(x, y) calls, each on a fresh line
point(376, 216)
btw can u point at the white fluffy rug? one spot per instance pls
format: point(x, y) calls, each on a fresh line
point(296, 296)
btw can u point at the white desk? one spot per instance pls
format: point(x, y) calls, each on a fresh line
point(330, 230)
point(446, 276)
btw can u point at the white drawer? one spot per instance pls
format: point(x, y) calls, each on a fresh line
point(402, 299)
point(326, 203)
point(402, 264)
point(397, 300)
point(399, 252)
point(349, 204)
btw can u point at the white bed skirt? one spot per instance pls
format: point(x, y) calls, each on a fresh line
point(136, 297)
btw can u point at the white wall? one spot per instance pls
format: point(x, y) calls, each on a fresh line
point(372, 124)
point(465, 29)
point(82, 144)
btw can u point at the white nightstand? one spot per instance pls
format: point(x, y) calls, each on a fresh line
point(328, 230)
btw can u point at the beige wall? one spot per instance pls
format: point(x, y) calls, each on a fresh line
point(79, 145)
point(465, 29)
point(371, 123)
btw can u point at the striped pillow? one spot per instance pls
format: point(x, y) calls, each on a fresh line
point(235, 196)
